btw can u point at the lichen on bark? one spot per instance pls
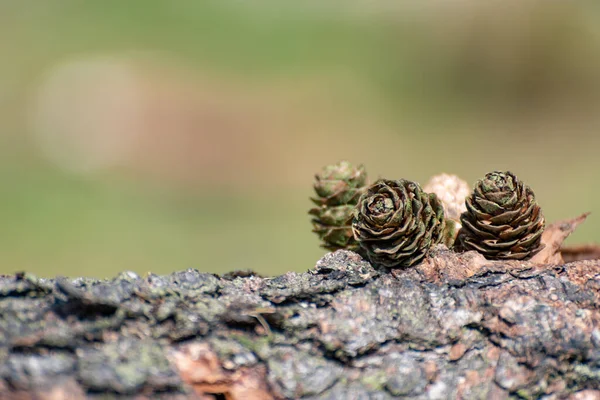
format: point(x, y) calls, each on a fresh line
point(454, 326)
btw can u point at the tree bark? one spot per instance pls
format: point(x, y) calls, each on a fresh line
point(455, 327)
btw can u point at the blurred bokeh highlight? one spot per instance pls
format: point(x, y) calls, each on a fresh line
point(161, 135)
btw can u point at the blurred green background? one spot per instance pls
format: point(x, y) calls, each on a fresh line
point(161, 135)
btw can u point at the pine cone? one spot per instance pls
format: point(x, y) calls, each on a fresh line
point(396, 222)
point(503, 220)
point(452, 192)
point(338, 188)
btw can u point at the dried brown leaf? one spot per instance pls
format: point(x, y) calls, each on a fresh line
point(553, 238)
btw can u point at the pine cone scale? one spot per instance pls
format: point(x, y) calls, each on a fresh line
point(509, 217)
point(500, 245)
point(489, 207)
point(512, 232)
point(389, 233)
point(337, 236)
point(532, 214)
point(471, 209)
point(496, 230)
point(340, 215)
point(522, 256)
point(502, 199)
point(473, 245)
point(530, 239)
point(476, 229)
point(417, 237)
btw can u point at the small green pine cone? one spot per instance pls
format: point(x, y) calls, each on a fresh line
point(503, 220)
point(396, 223)
point(338, 188)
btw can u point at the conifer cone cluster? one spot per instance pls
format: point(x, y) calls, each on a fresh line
point(503, 220)
point(396, 222)
point(338, 188)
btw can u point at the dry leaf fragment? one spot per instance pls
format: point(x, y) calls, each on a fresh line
point(553, 238)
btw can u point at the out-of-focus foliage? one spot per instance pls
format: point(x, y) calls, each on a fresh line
point(152, 135)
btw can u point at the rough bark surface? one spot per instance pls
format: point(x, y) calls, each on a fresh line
point(454, 327)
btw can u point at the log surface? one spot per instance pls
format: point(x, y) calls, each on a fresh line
point(454, 327)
